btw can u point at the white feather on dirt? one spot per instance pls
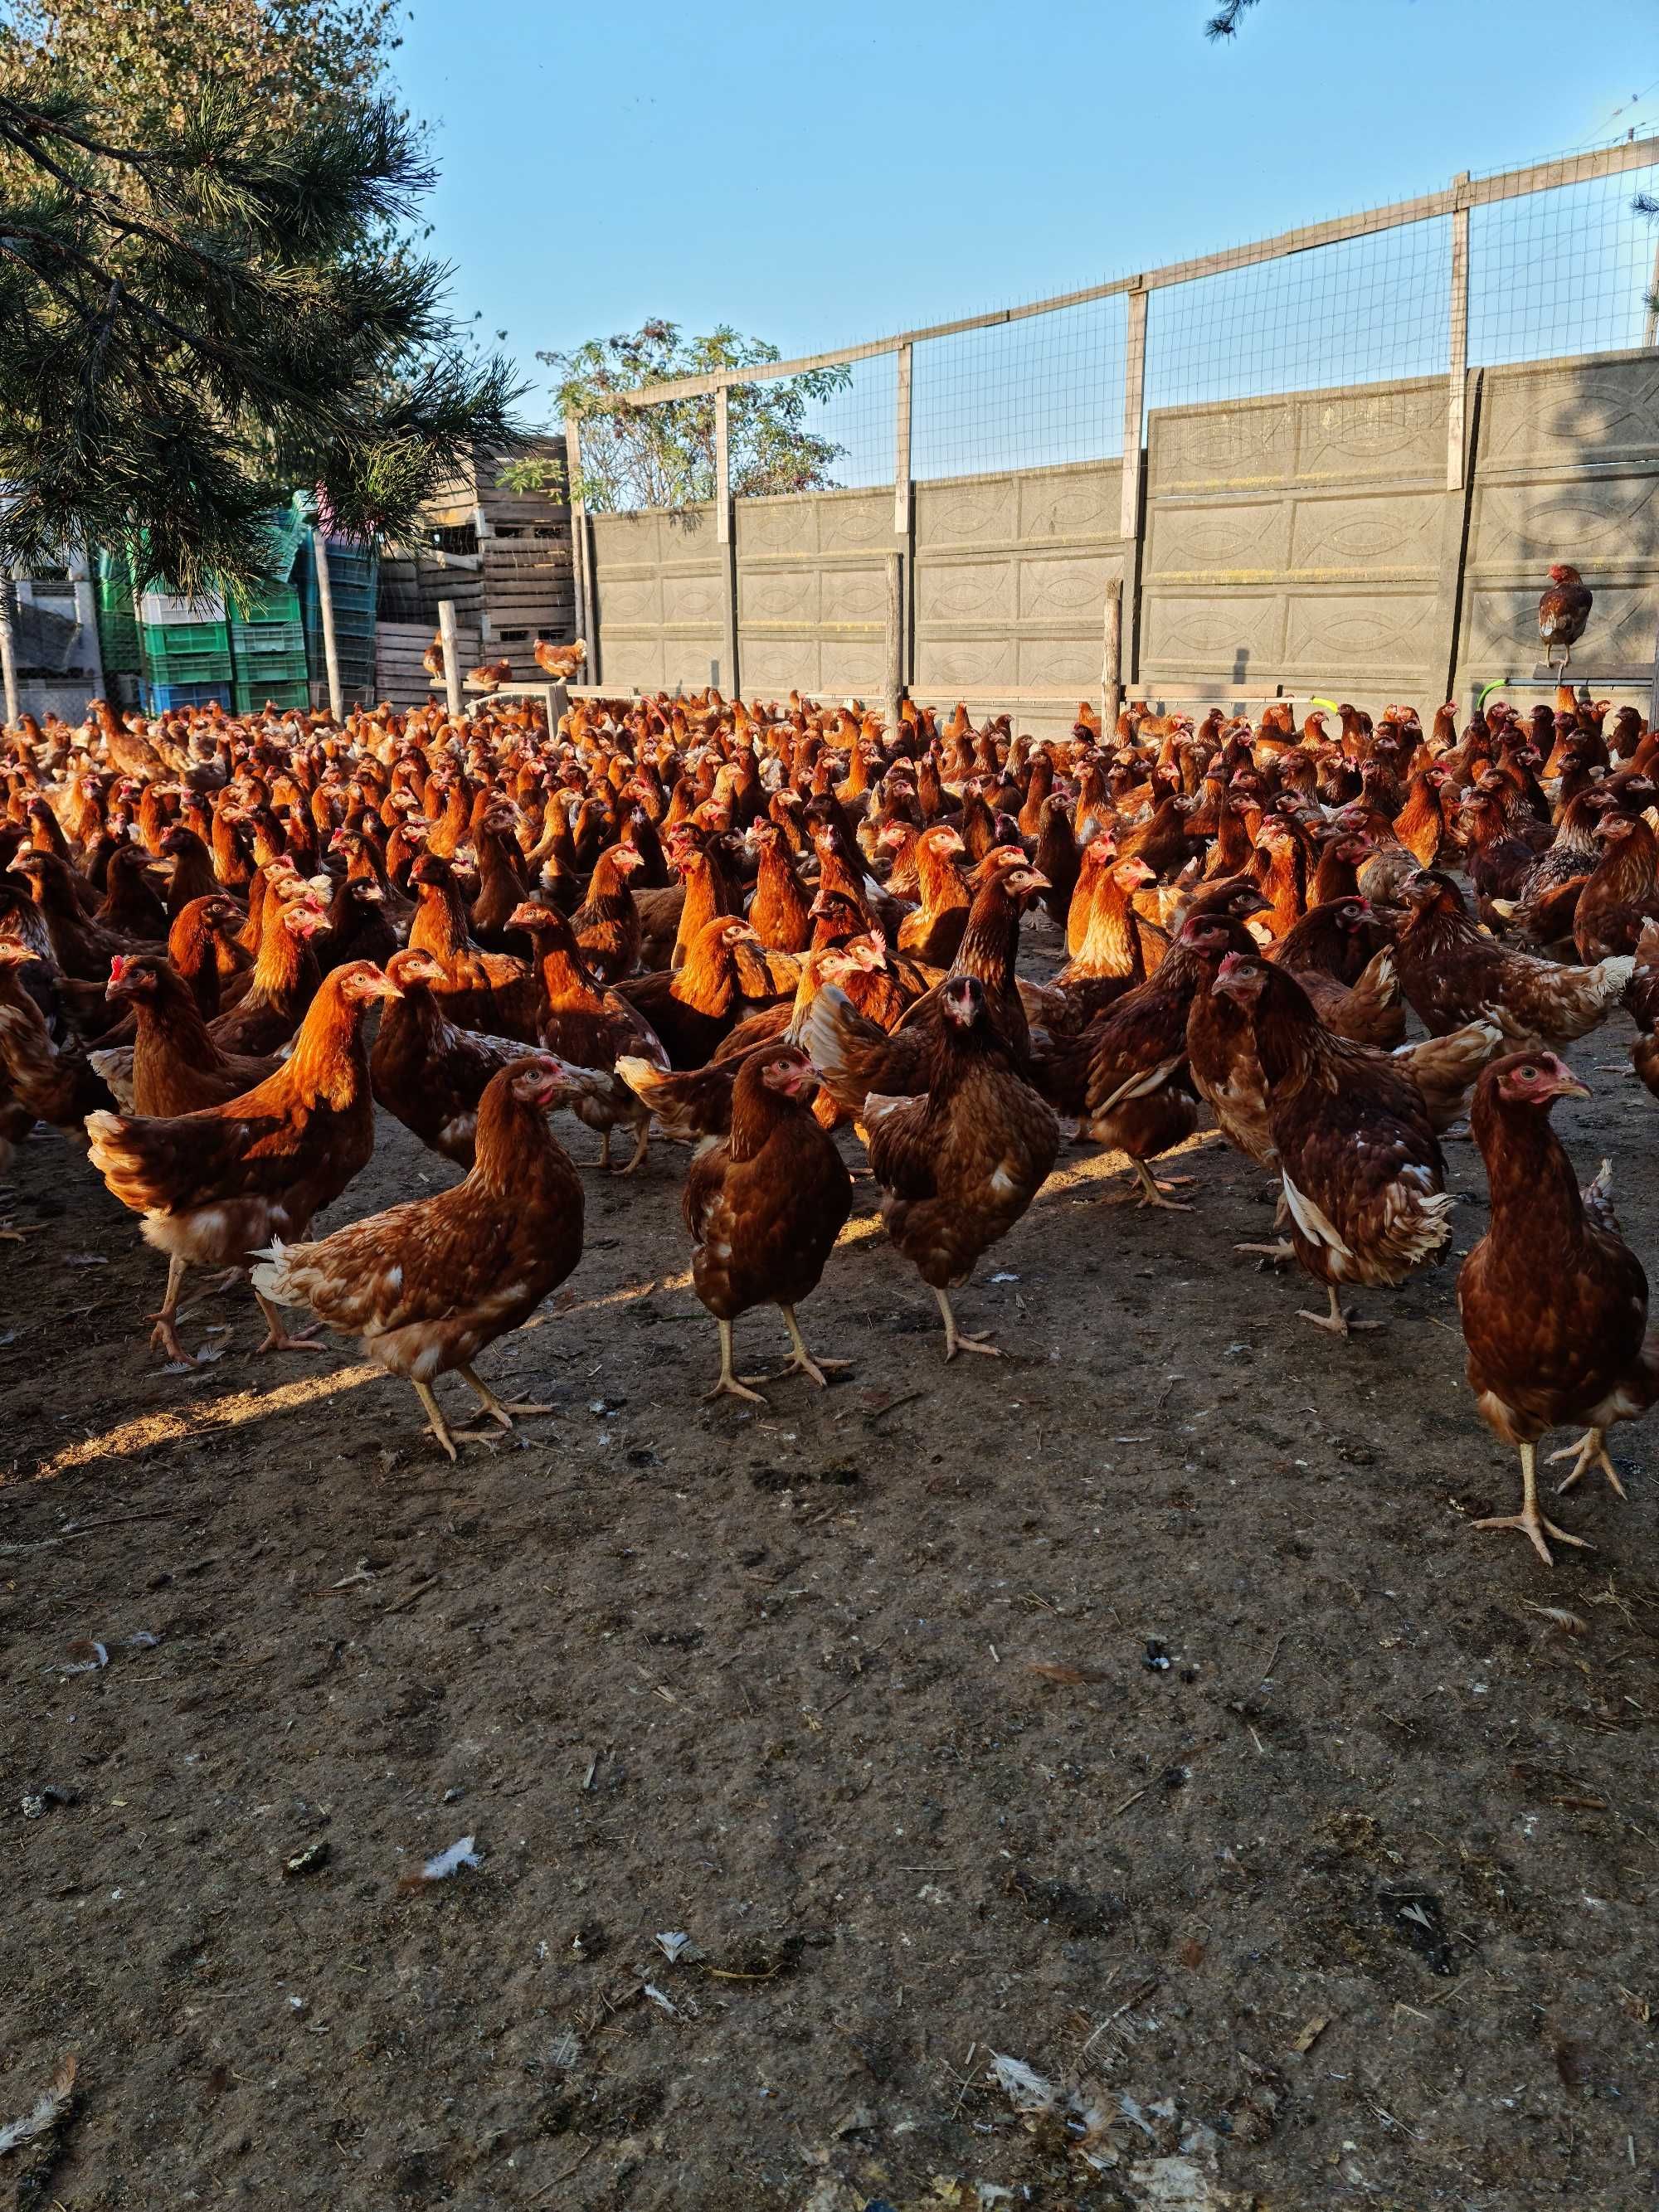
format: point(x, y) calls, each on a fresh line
point(446, 1863)
point(48, 2109)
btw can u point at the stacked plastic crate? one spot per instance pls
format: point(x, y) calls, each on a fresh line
point(118, 626)
point(268, 650)
point(354, 585)
point(185, 645)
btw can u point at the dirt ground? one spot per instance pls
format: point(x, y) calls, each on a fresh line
point(1140, 1708)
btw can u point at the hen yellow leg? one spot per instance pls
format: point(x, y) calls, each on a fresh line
point(954, 1341)
point(164, 1336)
point(1530, 1522)
point(276, 1336)
point(730, 1385)
point(499, 1411)
point(1150, 1190)
point(801, 1361)
point(1591, 1451)
point(641, 1147)
point(439, 1427)
point(1339, 1323)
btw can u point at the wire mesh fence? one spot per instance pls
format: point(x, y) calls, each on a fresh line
point(856, 420)
point(1368, 310)
point(1562, 272)
point(1025, 395)
point(1560, 261)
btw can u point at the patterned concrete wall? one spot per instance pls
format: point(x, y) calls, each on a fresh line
point(660, 601)
point(1299, 541)
point(1010, 580)
point(813, 592)
point(1304, 543)
point(1567, 469)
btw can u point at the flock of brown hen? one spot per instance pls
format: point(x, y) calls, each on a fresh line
point(748, 927)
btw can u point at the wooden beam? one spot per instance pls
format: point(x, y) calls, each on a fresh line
point(1132, 503)
point(86, 614)
point(326, 607)
point(726, 537)
point(901, 486)
point(1134, 395)
point(1511, 184)
point(451, 657)
point(1457, 392)
point(8, 648)
point(1446, 627)
point(893, 687)
point(573, 484)
point(904, 511)
point(1111, 660)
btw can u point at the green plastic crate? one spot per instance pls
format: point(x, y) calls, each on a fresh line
point(249, 698)
point(268, 603)
point(118, 626)
point(185, 653)
point(273, 649)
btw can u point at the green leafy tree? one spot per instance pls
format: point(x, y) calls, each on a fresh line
point(663, 455)
point(142, 59)
point(194, 316)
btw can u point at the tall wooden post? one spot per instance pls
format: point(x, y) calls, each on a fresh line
point(451, 657)
point(8, 648)
point(326, 607)
point(572, 475)
point(1129, 513)
point(904, 512)
point(725, 540)
point(893, 684)
point(86, 616)
point(1457, 391)
point(1650, 328)
point(1111, 660)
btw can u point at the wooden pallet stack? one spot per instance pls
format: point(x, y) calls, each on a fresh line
point(505, 560)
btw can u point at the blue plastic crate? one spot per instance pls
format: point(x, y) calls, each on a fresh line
point(158, 697)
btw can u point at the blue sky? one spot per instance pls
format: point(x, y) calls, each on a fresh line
point(818, 176)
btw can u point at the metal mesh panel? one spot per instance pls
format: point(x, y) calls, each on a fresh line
point(856, 421)
point(1025, 395)
point(1358, 312)
point(1562, 272)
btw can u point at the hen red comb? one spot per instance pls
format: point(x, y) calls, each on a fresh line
point(118, 967)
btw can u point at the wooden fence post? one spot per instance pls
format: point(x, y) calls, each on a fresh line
point(8, 648)
point(1457, 391)
point(904, 512)
point(1650, 328)
point(451, 657)
point(86, 615)
point(1129, 513)
point(1111, 661)
point(894, 685)
point(331, 644)
point(585, 629)
point(725, 540)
